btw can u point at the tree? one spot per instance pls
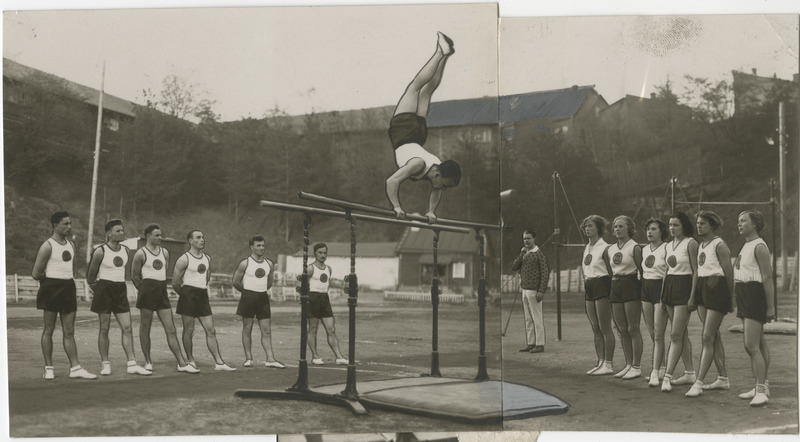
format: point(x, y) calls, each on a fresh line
point(182, 99)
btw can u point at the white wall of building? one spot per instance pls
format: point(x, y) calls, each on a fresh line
point(377, 273)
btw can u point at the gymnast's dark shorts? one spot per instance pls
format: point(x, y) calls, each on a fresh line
point(677, 289)
point(193, 301)
point(625, 288)
point(57, 295)
point(714, 293)
point(153, 295)
point(319, 305)
point(405, 128)
point(651, 290)
point(254, 304)
point(597, 288)
point(110, 297)
point(751, 301)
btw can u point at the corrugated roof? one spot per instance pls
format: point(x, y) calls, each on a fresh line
point(416, 241)
point(19, 72)
point(363, 250)
point(532, 106)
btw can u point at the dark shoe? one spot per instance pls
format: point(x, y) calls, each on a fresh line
point(527, 349)
point(537, 349)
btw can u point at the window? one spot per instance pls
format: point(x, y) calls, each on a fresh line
point(459, 270)
point(111, 123)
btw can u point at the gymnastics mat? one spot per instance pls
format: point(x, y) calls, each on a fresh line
point(459, 400)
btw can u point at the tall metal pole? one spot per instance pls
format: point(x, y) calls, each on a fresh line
point(782, 194)
point(435, 292)
point(672, 182)
point(351, 392)
point(483, 375)
point(302, 366)
point(557, 245)
point(90, 235)
point(774, 246)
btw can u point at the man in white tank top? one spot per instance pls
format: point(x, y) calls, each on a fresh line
point(253, 279)
point(54, 269)
point(190, 279)
point(149, 275)
point(408, 131)
point(319, 306)
point(106, 276)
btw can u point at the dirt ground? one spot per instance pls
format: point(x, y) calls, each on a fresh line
point(393, 340)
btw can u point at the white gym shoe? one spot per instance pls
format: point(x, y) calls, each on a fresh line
point(223, 367)
point(248, 363)
point(666, 385)
point(317, 361)
point(78, 372)
point(760, 397)
point(593, 369)
point(688, 378)
point(721, 383)
point(138, 369)
point(622, 372)
point(49, 372)
point(605, 369)
point(193, 364)
point(188, 369)
point(633, 373)
point(341, 361)
point(653, 379)
point(106, 370)
point(696, 390)
point(752, 393)
point(274, 364)
point(148, 366)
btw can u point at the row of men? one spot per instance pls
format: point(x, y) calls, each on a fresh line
point(54, 268)
point(664, 281)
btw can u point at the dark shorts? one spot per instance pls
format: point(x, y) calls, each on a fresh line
point(714, 293)
point(651, 290)
point(625, 288)
point(751, 301)
point(319, 305)
point(110, 297)
point(193, 301)
point(254, 304)
point(405, 128)
point(153, 295)
point(57, 295)
point(677, 289)
point(597, 288)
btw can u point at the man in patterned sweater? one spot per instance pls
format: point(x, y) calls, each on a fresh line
point(532, 266)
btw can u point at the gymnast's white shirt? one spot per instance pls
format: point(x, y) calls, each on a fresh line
point(59, 265)
point(707, 259)
point(746, 268)
point(406, 152)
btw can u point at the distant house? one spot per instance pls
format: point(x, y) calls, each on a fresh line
point(750, 91)
point(458, 261)
point(116, 110)
point(376, 263)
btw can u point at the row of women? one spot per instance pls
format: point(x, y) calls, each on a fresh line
point(666, 279)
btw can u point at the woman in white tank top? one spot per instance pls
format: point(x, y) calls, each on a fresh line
point(679, 287)
point(755, 300)
point(625, 259)
point(597, 285)
point(713, 299)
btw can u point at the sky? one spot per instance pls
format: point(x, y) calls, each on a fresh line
point(324, 58)
point(631, 55)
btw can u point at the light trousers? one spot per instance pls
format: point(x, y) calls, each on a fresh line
point(534, 321)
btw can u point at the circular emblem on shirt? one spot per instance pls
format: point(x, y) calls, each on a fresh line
point(672, 261)
point(118, 261)
point(650, 261)
point(738, 261)
point(587, 260)
point(323, 277)
point(260, 273)
point(702, 258)
point(158, 265)
point(201, 268)
point(66, 256)
point(618, 258)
